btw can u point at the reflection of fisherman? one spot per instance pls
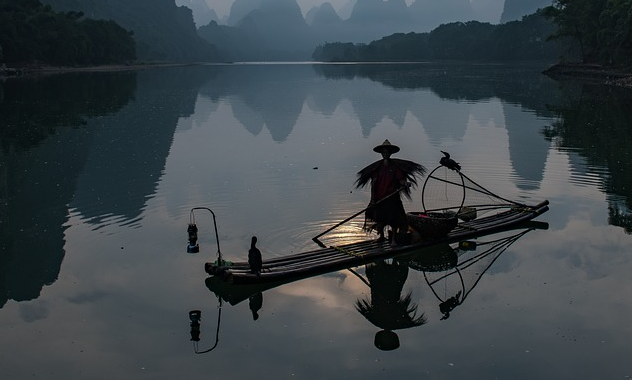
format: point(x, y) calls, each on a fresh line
point(387, 309)
point(389, 177)
point(448, 305)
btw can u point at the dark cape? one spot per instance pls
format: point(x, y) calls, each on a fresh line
point(410, 169)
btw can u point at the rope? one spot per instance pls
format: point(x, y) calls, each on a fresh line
point(347, 251)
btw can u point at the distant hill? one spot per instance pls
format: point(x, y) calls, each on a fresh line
point(202, 14)
point(325, 14)
point(240, 9)
point(276, 29)
point(162, 30)
point(515, 9)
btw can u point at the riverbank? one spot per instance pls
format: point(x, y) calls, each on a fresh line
point(47, 69)
point(613, 76)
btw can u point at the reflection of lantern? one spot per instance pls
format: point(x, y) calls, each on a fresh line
point(193, 246)
point(195, 316)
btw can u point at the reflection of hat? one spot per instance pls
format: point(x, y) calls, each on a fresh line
point(386, 340)
point(386, 146)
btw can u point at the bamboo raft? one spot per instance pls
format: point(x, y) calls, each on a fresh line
point(315, 262)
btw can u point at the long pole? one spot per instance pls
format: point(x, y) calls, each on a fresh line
point(315, 238)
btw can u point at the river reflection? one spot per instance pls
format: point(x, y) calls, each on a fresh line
point(99, 171)
point(451, 272)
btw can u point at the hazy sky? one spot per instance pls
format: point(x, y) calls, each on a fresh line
point(222, 7)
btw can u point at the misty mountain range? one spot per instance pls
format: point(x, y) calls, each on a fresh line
point(275, 29)
point(493, 11)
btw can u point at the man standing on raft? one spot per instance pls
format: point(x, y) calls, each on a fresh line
point(389, 177)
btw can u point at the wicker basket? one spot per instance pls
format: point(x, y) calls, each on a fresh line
point(432, 224)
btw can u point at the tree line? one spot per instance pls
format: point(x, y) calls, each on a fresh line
point(31, 32)
point(472, 40)
point(602, 29)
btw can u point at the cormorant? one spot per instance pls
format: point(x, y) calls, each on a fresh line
point(449, 163)
point(254, 257)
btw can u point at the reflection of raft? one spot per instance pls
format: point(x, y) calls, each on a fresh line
point(311, 263)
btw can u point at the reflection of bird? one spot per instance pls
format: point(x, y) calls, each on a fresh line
point(448, 162)
point(254, 257)
point(255, 303)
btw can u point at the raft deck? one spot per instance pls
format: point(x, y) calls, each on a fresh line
point(325, 260)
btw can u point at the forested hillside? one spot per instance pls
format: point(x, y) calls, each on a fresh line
point(162, 30)
point(473, 40)
point(601, 29)
point(31, 32)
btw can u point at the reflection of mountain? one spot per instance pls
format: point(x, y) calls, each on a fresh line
point(40, 184)
point(595, 123)
point(525, 139)
point(130, 147)
point(108, 174)
point(107, 168)
point(441, 119)
point(461, 83)
point(39, 176)
point(258, 90)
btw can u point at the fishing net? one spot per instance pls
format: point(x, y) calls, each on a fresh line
point(451, 193)
point(452, 285)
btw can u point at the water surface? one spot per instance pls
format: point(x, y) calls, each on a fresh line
point(100, 171)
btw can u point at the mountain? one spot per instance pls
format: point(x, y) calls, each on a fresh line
point(275, 30)
point(162, 30)
point(323, 15)
point(326, 25)
point(280, 25)
point(346, 10)
point(515, 9)
point(240, 9)
point(202, 14)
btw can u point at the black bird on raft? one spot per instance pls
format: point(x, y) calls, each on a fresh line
point(448, 162)
point(254, 257)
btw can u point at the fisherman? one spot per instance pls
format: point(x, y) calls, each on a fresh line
point(389, 178)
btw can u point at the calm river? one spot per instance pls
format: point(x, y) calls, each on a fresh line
point(99, 172)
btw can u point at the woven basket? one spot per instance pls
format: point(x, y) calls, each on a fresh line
point(432, 224)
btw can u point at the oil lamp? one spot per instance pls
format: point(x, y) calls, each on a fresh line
point(193, 246)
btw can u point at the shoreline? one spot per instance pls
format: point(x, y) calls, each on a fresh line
point(611, 76)
point(593, 73)
point(16, 72)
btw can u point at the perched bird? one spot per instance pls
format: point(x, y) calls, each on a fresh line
point(448, 162)
point(254, 257)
